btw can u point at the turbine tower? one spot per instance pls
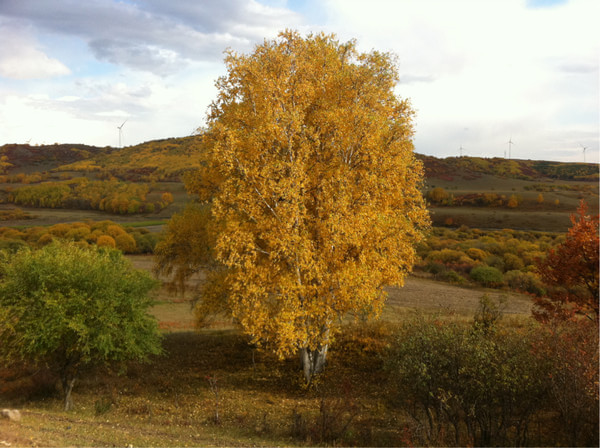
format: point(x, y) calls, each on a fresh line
point(584, 148)
point(120, 128)
point(461, 150)
point(510, 143)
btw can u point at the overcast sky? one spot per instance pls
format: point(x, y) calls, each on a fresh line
point(478, 72)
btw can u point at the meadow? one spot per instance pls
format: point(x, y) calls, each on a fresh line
point(211, 388)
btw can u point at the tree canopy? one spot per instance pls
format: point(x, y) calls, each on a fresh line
point(313, 190)
point(571, 269)
point(72, 307)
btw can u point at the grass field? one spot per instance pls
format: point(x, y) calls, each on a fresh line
point(260, 402)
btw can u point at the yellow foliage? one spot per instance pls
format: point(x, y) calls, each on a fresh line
point(115, 230)
point(125, 242)
point(313, 188)
point(106, 241)
point(513, 201)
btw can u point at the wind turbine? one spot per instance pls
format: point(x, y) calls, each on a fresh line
point(120, 128)
point(510, 143)
point(584, 148)
point(461, 150)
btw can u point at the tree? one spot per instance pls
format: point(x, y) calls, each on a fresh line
point(571, 269)
point(313, 189)
point(73, 308)
point(540, 199)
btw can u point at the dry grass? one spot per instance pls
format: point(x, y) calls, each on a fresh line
point(261, 400)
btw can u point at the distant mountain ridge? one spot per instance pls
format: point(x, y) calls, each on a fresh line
point(168, 159)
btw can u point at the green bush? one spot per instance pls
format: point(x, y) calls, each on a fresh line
point(487, 275)
point(435, 268)
point(525, 281)
point(69, 308)
point(452, 277)
point(464, 386)
point(512, 262)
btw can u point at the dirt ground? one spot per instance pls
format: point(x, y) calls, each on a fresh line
point(417, 294)
point(421, 293)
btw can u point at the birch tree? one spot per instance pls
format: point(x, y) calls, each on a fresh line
point(313, 190)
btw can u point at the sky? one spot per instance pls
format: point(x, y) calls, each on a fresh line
point(479, 73)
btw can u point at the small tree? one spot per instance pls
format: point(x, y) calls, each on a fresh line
point(571, 269)
point(70, 308)
point(540, 199)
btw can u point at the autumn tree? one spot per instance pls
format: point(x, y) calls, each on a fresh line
point(571, 269)
point(313, 190)
point(72, 308)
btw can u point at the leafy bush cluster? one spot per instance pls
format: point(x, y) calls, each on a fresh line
point(22, 178)
point(82, 194)
point(441, 197)
point(476, 385)
point(14, 214)
point(501, 258)
point(103, 233)
point(545, 188)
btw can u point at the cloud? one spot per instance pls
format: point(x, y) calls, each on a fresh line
point(544, 3)
point(155, 36)
point(20, 58)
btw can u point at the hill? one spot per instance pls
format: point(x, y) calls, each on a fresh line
point(474, 191)
point(469, 168)
point(26, 158)
point(169, 158)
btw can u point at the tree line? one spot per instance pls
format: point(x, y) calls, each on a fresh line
point(129, 240)
point(112, 196)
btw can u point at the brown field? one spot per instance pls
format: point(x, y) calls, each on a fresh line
point(418, 294)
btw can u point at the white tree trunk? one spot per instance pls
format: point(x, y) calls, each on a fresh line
point(67, 384)
point(312, 361)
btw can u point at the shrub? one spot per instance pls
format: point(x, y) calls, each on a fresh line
point(145, 241)
point(438, 196)
point(114, 230)
point(465, 386)
point(78, 233)
point(477, 254)
point(125, 243)
point(70, 308)
point(452, 277)
point(512, 262)
point(525, 281)
point(435, 268)
point(46, 238)
point(106, 241)
point(12, 246)
point(487, 275)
